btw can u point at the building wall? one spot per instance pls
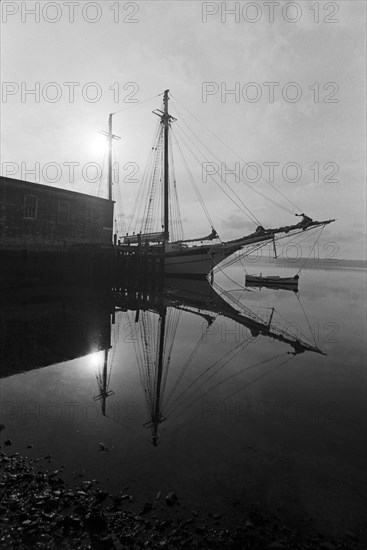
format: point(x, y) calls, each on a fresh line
point(32, 214)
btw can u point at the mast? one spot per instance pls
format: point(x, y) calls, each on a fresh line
point(156, 417)
point(109, 140)
point(102, 379)
point(165, 121)
point(110, 136)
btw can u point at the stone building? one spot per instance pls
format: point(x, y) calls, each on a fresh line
point(35, 216)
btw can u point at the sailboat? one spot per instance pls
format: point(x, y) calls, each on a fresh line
point(196, 257)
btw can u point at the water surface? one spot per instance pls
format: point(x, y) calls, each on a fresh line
point(214, 409)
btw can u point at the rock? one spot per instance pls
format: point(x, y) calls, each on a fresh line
point(100, 495)
point(162, 525)
point(105, 543)
point(95, 522)
point(148, 506)
point(116, 544)
point(171, 498)
point(186, 541)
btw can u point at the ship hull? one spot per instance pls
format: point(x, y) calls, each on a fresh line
point(195, 261)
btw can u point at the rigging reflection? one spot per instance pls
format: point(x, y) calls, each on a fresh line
point(40, 329)
point(153, 318)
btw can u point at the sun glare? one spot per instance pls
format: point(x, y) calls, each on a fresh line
point(98, 145)
point(95, 359)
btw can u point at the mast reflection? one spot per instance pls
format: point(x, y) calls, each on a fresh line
point(42, 329)
point(156, 320)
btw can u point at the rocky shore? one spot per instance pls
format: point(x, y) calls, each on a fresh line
point(40, 510)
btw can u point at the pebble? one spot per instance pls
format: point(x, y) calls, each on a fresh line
point(39, 510)
point(171, 498)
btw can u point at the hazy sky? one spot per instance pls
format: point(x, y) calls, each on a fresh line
point(199, 51)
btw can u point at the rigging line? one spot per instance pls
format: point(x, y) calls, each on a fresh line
point(250, 367)
point(245, 386)
point(96, 184)
point(157, 349)
point(297, 233)
point(230, 278)
point(113, 419)
point(151, 196)
point(262, 375)
point(234, 351)
point(218, 384)
point(135, 104)
point(201, 201)
point(312, 249)
point(140, 360)
point(241, 177)
point(151, 181)
point(147, 355)
point(171, 339)
point(249, 214)
point(308, 322)
point(175, 193)
point(247, 312)
point(196, 189)
point(245, 251)
point(234, 152)
point(244, 268)
point(143, 183)
point(186, 365)
point(121, 225)
point(238, 256)
point(220, 177)
point(185, 135)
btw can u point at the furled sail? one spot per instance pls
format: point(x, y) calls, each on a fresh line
point(144, 237)
point(210, 237)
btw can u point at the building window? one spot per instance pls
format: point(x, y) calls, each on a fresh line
point(30, 207)
point(64, 212)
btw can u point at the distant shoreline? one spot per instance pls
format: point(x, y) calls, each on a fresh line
point(309, 263)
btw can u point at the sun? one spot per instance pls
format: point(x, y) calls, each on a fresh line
point(98, 145)
point(95, 359)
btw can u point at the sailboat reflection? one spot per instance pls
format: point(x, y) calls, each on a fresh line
point(154, 325)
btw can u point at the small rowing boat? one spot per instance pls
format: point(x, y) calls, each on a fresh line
point(273, 281)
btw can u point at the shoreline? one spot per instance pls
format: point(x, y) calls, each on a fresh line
point(40, 510)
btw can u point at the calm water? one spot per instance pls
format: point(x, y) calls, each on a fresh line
point(214, 409)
